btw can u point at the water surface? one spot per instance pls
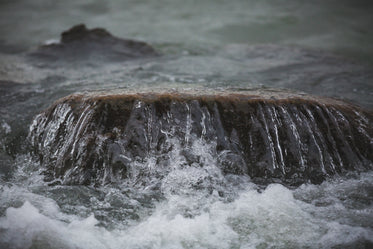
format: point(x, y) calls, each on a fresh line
point(318, 47)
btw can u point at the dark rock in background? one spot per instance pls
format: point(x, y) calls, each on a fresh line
point(80, 44)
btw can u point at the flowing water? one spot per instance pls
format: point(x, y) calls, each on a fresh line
point(322, 48)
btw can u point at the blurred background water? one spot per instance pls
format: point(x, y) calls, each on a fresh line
point(343, 27)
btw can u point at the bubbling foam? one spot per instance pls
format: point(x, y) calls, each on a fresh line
point(272, 217)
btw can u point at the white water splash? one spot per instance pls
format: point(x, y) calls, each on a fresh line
point(255, 219)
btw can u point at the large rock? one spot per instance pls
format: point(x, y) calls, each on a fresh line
point(80, 44)
point(98, 137)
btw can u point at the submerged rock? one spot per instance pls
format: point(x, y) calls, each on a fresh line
point(101, 137)
point(81, 44)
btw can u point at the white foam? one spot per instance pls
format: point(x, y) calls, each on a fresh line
point(200, 208)
point(51, 42)
point(6, 127)
point(272, 218)
point(25, 227)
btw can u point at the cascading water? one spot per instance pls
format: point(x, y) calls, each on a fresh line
point(262, 134)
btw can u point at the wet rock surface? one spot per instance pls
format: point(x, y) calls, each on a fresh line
point(272, 136)
point(80, 44)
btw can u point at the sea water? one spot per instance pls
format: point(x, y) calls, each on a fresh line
point(319, 47)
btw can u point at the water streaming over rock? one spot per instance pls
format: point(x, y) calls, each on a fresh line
point(268, 135)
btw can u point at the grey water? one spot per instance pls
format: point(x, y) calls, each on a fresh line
point(322, 48)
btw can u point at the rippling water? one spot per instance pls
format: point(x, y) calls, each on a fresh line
point(318, 47)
